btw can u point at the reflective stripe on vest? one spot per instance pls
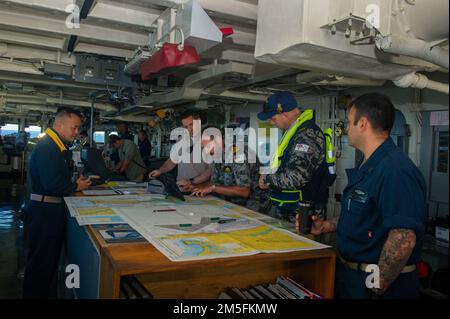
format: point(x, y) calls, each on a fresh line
point(286, 197)
point(287, 136)
point(329, 145)
point(329, 155)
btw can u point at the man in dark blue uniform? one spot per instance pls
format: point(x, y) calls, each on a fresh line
point(51, 180)
point(383, 213)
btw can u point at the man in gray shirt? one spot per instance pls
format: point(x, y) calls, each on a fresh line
point(190, 175)
point(131, 162)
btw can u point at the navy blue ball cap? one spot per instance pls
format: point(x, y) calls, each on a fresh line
point(277, 103)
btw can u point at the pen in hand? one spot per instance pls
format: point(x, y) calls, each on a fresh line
point(223, 221)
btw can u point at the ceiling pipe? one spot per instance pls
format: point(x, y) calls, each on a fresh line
point(344, 81)
point(308, 77)
point(19, 67)
point(260, 98)
point(7, 95)
point(128, 118)
point(318, 78)
point(44, 109)
point(44, 81)
point(18, 115)
point(413, 48)
point(38, 100)
point(420, 81)
point(24, 101)
point(99, 106)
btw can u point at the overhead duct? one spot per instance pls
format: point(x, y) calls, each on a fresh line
point(420, 19)
point(195, 85)
point(322, 35)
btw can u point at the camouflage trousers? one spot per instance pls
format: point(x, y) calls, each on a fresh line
point(283, 214)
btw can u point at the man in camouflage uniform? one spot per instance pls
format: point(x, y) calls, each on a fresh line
point(298, 170)
point(237, 181)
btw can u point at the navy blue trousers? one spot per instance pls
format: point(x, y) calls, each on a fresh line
point(45, 227)
point(351, 284)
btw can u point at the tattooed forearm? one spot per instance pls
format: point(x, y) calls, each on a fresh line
point(333, 224)
point(395, 254)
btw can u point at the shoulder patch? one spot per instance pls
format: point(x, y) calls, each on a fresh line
point(240, 158)
point(302, 148)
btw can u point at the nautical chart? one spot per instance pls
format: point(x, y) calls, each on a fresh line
point(198, 228)
point(193, 232)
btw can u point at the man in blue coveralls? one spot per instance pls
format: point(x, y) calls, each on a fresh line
point(383, 213)
point(51, 180)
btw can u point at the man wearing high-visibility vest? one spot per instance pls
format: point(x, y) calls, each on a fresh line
point(303, 165)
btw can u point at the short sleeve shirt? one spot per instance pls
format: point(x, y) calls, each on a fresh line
point(129, 151)
point(387, 192)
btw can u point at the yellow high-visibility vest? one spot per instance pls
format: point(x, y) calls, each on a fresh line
point(306, 115)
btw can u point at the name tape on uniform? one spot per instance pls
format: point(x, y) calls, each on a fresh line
point(302, 148)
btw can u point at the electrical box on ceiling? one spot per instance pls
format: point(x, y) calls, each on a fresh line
point(99, 70)
point(56, 70)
